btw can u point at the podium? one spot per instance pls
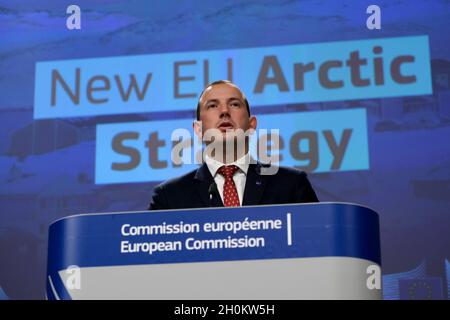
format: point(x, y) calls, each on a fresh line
point(293, 251)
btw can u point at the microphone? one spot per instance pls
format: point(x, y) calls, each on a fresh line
point(212, 190)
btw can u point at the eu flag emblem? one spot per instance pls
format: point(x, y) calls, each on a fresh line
point(421, 289)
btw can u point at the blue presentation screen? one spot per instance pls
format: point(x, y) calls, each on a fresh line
point(95, 95)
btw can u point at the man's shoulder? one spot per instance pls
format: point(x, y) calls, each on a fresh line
point(281, 171)
point(183, 180)
point(291, 171)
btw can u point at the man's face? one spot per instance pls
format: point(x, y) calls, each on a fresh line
point(222, 107)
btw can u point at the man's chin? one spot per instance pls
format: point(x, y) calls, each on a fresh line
point(227, 130)
point(222, 135)
point(232, 135)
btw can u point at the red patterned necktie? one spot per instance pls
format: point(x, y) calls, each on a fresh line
point(230, 195)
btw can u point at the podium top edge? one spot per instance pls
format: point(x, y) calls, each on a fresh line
point(215, 208)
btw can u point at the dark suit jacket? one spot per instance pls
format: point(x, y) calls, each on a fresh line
point(192, 189)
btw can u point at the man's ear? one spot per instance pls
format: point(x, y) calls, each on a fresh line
point(197, 126)
point(252, 123)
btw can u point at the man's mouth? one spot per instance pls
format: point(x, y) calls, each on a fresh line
point(224, 126)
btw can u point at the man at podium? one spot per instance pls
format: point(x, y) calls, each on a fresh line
point(229, 176)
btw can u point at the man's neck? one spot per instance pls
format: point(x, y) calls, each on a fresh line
point(226, 157)
point(213, 164)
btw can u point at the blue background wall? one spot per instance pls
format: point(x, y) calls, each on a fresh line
point(47, 167)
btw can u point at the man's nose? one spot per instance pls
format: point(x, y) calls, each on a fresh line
point(224, 110)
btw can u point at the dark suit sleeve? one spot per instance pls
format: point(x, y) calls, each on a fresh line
point(159, 200)
point(305, 192)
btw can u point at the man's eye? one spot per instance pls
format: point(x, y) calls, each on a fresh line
point(212, 105)
point(236, 104)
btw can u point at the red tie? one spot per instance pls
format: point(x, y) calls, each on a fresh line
point(230, 195)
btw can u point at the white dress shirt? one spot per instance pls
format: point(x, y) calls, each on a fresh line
point(239, 177)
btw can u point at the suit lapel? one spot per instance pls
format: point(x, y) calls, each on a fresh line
point(254, 185)
point(203, 179)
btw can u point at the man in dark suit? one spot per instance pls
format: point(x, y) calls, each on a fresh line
point(229, 176)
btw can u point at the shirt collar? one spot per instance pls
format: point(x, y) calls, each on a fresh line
point(214, 165)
